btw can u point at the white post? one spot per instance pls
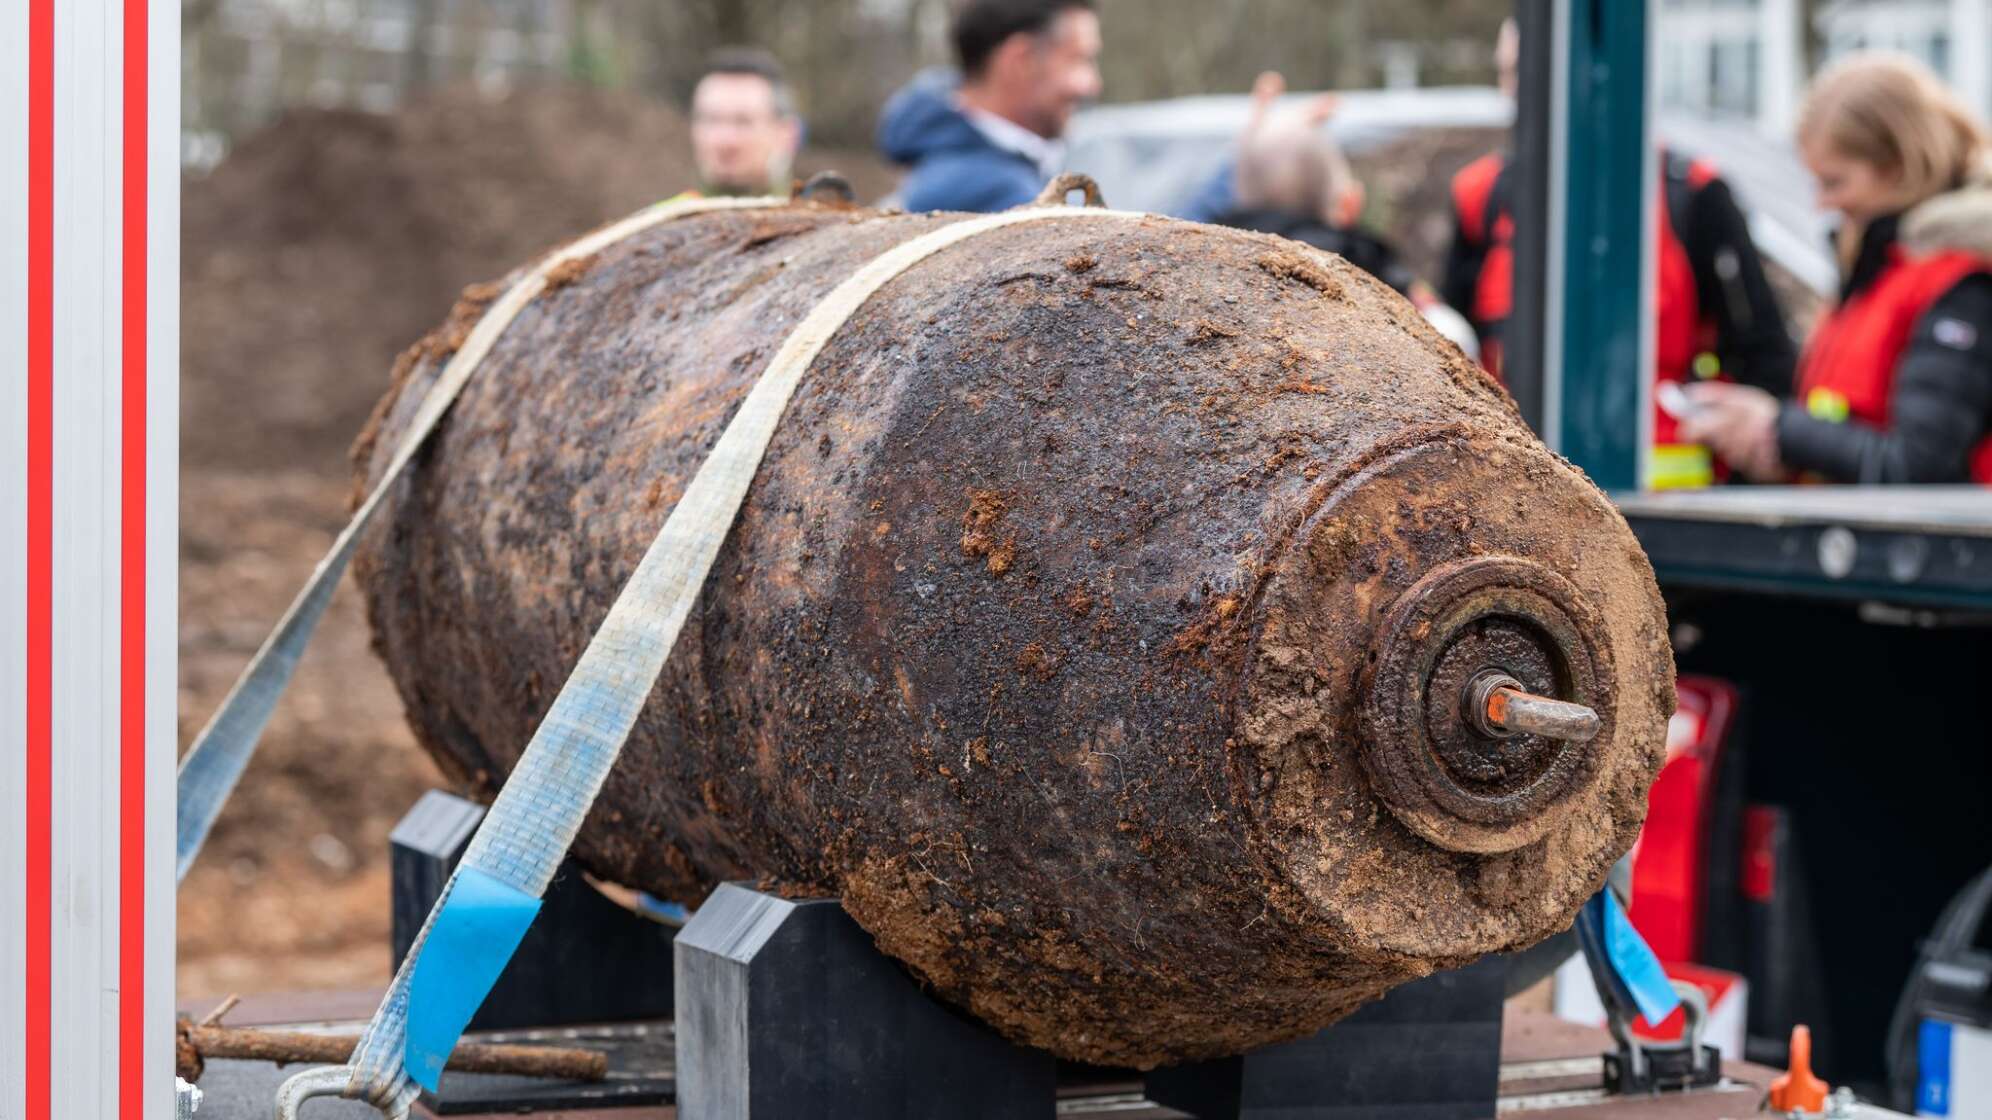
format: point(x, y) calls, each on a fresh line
point(1649, 253)
point(89, 226)
point(1971, 52)
point(162, 546)
point(14, 286)
point(1780, 64)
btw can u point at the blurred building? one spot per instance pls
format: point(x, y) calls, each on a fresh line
point(1748, 59)
point(244, 61)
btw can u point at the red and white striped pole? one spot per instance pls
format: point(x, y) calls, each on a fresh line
point(89, 345)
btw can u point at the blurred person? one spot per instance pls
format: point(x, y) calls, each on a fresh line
point(745, 129)
point(1219, 194)
point(1292, 179)
point(1895, 385)
point(990, 139)
point(1717, 316)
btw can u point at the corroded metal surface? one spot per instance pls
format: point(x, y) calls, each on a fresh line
point(1051, 635)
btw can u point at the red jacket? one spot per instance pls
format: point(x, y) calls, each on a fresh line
point(1850, 364)
point(1688, 326)
point(1485, 225)
point(1481, 209)
point(1896, 385)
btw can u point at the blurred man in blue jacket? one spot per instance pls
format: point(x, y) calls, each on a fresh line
point(989, 139)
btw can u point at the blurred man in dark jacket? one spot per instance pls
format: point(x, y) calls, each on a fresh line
point(989, 140)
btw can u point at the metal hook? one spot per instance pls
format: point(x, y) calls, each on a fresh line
point(334, 1081)
point(1055, 191)
point(827, 187)
point(1694, 1012)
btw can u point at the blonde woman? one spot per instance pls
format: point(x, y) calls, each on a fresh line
point(1895, 385)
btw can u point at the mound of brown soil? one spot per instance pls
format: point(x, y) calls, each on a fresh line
point(323, 245)
point(291, 890)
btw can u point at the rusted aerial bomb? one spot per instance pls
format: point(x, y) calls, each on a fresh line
point(1160, 639)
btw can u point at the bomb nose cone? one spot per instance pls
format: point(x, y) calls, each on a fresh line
point(1474, 638)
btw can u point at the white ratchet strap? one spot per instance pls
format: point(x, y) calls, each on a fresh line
point(223, 748)
point(525, 835)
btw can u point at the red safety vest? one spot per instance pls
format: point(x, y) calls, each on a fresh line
point(1489, 226)
point(1681, 330)
point(1848, 369)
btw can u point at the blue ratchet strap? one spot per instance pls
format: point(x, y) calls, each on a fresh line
point(464, 955)
point(487, 903)
point(223, 748)
point(1626, 971)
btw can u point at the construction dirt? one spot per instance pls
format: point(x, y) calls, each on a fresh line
point(312, 255)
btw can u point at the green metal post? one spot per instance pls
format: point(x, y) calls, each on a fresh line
point(1599, 400)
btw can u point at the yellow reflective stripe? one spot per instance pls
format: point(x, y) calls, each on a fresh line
point(1681, 466)
point(1827, 405)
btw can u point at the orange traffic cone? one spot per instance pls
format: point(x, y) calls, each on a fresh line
point(1797, 1090)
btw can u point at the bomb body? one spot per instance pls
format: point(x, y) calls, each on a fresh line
point(1096, 627)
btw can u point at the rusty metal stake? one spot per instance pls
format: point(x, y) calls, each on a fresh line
point(1497, 706)
point(198, 1042)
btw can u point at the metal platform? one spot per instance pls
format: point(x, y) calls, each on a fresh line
point(1549, 1069)
point(1917, 546)
point(779, 1007)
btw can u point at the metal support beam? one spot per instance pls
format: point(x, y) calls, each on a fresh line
point(1524, 357)
point(1598, 404)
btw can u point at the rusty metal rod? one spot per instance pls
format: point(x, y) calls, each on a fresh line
point(1497, 706)
point(199, 1042)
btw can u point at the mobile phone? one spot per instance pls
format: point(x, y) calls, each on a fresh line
point(1674, 400)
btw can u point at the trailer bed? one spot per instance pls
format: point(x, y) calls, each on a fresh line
point(1549, 1069)
point(1916, 546)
